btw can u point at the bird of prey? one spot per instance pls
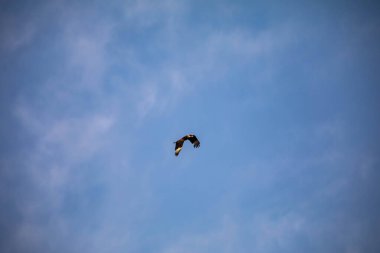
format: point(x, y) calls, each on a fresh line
point(191, 137)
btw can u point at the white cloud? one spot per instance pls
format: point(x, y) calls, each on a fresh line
point(78, 136)
point(54, 167)
point(64, 139)
point(86, 44)
point(271, 234)
point(148, 100)
point(61, 144)
point(74, 137)
point(221, 239)
point(144, 13)
point(189, 67)
point(15, 32)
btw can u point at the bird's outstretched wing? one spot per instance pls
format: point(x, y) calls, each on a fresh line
point(178, 146)
point(193, 139)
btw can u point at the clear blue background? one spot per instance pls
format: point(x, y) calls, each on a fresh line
point(283, 95)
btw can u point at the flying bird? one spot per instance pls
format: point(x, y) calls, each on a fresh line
point(191, 137)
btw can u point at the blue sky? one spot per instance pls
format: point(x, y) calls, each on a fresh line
point(283, 96)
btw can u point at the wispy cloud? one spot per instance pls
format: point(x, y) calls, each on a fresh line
point(15, 32)
point(143, 13)
point(86, 51)
point(75, 138)
point(220, 239)
point(203, 63)
point(148, 101)
point(54, 170)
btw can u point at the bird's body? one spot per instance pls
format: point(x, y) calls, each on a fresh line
point(191, 137)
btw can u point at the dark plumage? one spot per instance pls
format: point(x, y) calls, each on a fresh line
point(191, 137)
